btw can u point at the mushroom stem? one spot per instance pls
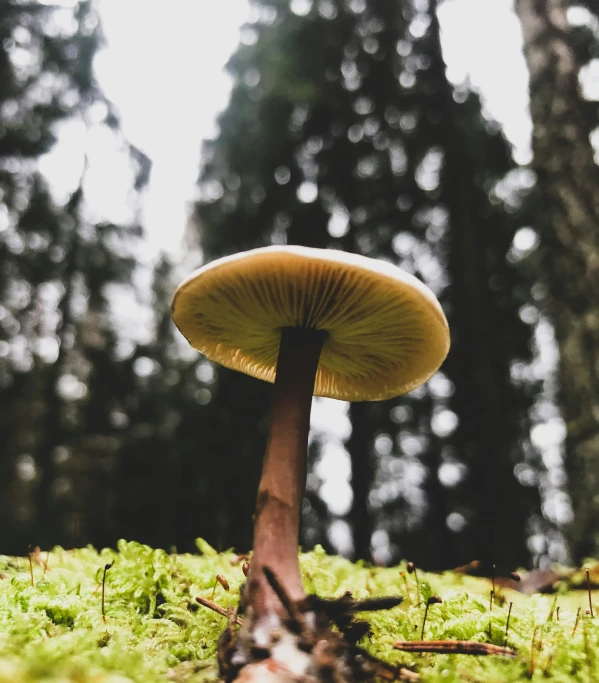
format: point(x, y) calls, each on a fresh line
point(281, 490)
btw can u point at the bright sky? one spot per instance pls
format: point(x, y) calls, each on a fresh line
point(482, 41)
point(163, 70)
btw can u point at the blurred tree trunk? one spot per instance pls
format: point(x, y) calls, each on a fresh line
point(359, 447)
point(568, 220)
point(50, 525)
point(502, 505)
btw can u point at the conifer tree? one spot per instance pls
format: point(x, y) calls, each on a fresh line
point(343, 131)
point(61, 260)
point(566, 220)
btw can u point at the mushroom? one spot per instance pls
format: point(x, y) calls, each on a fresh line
point(315, 322)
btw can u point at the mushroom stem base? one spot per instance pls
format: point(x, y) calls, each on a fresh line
point(299, 645)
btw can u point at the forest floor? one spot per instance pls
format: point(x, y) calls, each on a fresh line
point(53, 627)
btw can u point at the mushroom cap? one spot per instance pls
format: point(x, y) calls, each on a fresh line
point(386, 332)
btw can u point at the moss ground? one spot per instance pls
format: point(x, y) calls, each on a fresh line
point(154, 630)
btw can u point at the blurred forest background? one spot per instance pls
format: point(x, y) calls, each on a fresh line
point(342, 131)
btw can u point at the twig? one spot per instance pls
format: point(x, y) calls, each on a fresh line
point(396, 673)
point(217, 608)
point(460, 647)
point(289, 605)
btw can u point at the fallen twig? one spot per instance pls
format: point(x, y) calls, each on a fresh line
point(460, 647)
point(216, 608)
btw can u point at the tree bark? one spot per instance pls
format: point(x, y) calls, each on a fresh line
point(359, 447)
point(485, 435)
point(50, 520)
point(568, 225)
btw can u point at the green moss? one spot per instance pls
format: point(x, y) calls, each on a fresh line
point(54, 632)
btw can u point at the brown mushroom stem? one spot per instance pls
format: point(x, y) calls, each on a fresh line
point(281, 490)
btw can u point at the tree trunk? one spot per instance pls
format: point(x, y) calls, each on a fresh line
point(568, 225)
point(359, 447)
point(501, 505)
point(51, 519)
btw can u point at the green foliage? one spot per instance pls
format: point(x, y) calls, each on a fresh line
point(53, 631)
